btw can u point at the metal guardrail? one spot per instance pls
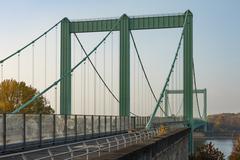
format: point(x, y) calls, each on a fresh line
point(173, 145)
point(87, 148)
point(28, 131)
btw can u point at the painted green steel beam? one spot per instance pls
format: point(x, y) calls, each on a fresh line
point(135, 23)
point(187, 70)
point(157, 22)
point(93, 26)
point(200, 91)
point(65, 67)
point(187, 76)
point(124, 88)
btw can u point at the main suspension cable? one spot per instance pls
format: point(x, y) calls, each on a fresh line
point(195, 84)
point(30, 43)
point(144, 72)
point(96, 69)
point(68, 73)
point(168, 77)
point(100, 77)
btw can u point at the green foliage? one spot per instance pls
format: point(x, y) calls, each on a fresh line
point(235, 155)
point(13, 94)
point(208, 152)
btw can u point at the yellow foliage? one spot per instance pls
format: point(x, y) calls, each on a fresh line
point(162, 130)
point(13, 94)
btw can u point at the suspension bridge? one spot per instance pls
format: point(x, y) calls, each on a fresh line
point(101, 92)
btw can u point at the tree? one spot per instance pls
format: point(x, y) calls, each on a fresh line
point(163, 129)
point(13, 94)
point(208, 152)
point(235, 155)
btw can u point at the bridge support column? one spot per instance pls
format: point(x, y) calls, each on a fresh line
point(187, 75)
point(124, 88)
point(65, 62)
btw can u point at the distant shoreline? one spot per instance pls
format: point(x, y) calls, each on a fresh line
point(218, 135)
point(214, 138)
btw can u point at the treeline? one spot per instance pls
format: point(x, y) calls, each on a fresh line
point(225, 122)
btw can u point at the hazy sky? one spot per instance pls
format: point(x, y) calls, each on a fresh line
point(216, 34)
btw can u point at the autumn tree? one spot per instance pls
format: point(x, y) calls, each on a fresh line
point(208, 152)
point(13, 94)
point(235, 155)
point(163, 129)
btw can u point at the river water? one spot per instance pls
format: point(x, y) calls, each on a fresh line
point(224, 145)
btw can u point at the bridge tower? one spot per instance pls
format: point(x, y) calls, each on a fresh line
point(187, 70)
point(65, 67)
point(67, 28)
point(125, 25)
point(187, 75)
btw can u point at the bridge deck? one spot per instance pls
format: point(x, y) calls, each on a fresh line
point(120, 146)
point(134, 150)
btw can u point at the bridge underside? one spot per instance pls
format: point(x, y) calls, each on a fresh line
point(197, 123)
point(179, 122)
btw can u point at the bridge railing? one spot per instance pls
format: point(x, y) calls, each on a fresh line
point(86, 149)
point(23, 131)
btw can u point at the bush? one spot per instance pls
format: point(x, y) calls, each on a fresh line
point(235, 155)
point(208, 152)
